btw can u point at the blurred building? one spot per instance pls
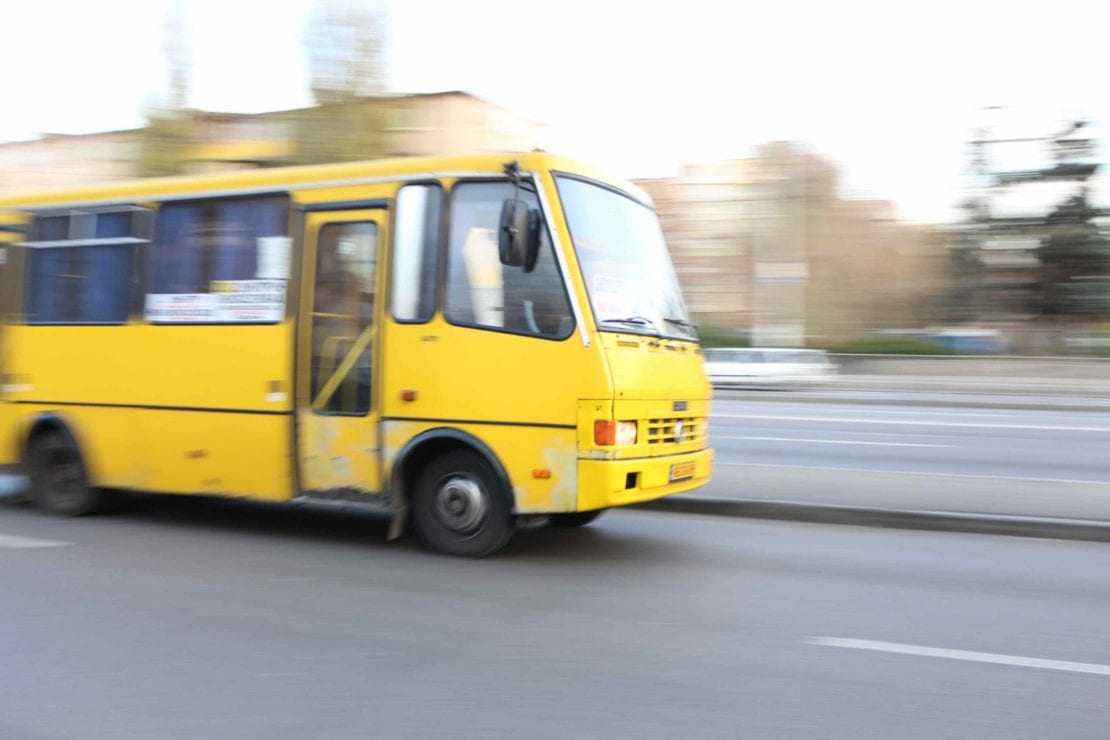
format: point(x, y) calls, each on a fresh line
point(58, 160)
point(426, 124)
point(768, 245)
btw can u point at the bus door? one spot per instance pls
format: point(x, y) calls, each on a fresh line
point(338, 408)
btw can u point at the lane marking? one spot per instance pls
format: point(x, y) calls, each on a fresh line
point(15, 542)
point(968, 655)
point(971, 476)
point(913, 422)
point(835, 441)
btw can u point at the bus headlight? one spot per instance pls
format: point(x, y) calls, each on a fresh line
point(609, 433)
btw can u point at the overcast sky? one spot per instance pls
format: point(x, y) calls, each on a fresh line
point(888, 91)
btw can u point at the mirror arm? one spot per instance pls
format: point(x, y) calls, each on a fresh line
point(512, 171)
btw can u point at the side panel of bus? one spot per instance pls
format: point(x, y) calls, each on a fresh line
point(499, 361)
point(10, 267)
point(185, 387)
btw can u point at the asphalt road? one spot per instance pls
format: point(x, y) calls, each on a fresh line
point(1026, 462)
point(199, 619)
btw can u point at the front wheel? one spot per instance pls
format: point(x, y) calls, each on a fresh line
point(461, 507)
point(575, 519)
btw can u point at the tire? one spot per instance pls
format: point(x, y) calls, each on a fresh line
point(460, 506)
point(576, 519)
point(59, 481)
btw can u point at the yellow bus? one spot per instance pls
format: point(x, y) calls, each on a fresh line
point(466, 342)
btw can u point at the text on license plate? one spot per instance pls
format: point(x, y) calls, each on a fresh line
point(682, 471)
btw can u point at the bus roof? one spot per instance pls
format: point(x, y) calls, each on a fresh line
point(305, 177)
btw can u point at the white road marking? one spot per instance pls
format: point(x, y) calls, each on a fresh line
point(835, 441)
point(969, 655)
point(15, 542)
point(971, 476)
point(914, 422)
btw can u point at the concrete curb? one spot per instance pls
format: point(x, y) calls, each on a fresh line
point(946, 521)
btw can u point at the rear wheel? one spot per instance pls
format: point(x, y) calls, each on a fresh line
point(576, 519)
point(461, 507)
point(59, 482)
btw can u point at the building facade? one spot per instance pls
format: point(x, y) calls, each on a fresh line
point(407, 125)
point(769, 247)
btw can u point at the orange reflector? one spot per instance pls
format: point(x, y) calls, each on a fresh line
point(605, 433)
point(541, 474)
point(408, 395)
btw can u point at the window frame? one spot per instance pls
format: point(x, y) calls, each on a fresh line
point(531, 186)
point(371, 406)
point(149, 264)
point(439, 255)
point(558, 175)
point(140, 234)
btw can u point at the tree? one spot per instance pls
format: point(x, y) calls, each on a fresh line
point(1074, 262)
point(1031, 265)
point(168, 136)
point(345, 44)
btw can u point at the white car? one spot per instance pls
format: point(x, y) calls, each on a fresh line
point(763, 367)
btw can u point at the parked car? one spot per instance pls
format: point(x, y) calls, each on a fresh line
point(767, 367)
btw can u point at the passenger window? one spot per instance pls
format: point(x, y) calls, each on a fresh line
point(220, 261)
point(484, 293)
point(416, 252)
point(81, 264)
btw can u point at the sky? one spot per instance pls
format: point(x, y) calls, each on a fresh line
point(889, 92)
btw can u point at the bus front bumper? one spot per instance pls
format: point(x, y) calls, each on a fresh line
point(607, 483)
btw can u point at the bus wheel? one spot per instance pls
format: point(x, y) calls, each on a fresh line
point(59, 483)
point(576, 519)
point(460, 507)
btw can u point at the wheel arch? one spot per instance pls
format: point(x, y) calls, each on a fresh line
point(45, 423)
point(430, 444)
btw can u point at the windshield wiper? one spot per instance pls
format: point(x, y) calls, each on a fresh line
point(681, 322)
point(634, 321)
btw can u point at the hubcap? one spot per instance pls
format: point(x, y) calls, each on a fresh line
point(461, 505)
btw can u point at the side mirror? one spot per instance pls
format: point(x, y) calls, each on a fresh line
point(518, 237)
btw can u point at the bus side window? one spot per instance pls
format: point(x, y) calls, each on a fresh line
point(207, 250)
point(481, 292)
point(70, 281)
point(416, 252)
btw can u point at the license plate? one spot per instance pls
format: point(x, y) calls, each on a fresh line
point(682, 471)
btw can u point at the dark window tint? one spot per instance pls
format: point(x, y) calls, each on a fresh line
point(114, 225)
point(199, 242)
point(79, 284)
point(72, 280)
point(51, 229)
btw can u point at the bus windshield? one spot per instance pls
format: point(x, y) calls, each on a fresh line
point(624, 260)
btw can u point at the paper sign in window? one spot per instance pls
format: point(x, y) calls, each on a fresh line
point(274, 257)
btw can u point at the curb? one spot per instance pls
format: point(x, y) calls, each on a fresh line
point(944, 521)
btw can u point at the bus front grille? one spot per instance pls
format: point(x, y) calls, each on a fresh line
point(675, 430)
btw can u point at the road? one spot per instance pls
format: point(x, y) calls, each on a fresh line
point(199, 619)
point(1026, 462)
